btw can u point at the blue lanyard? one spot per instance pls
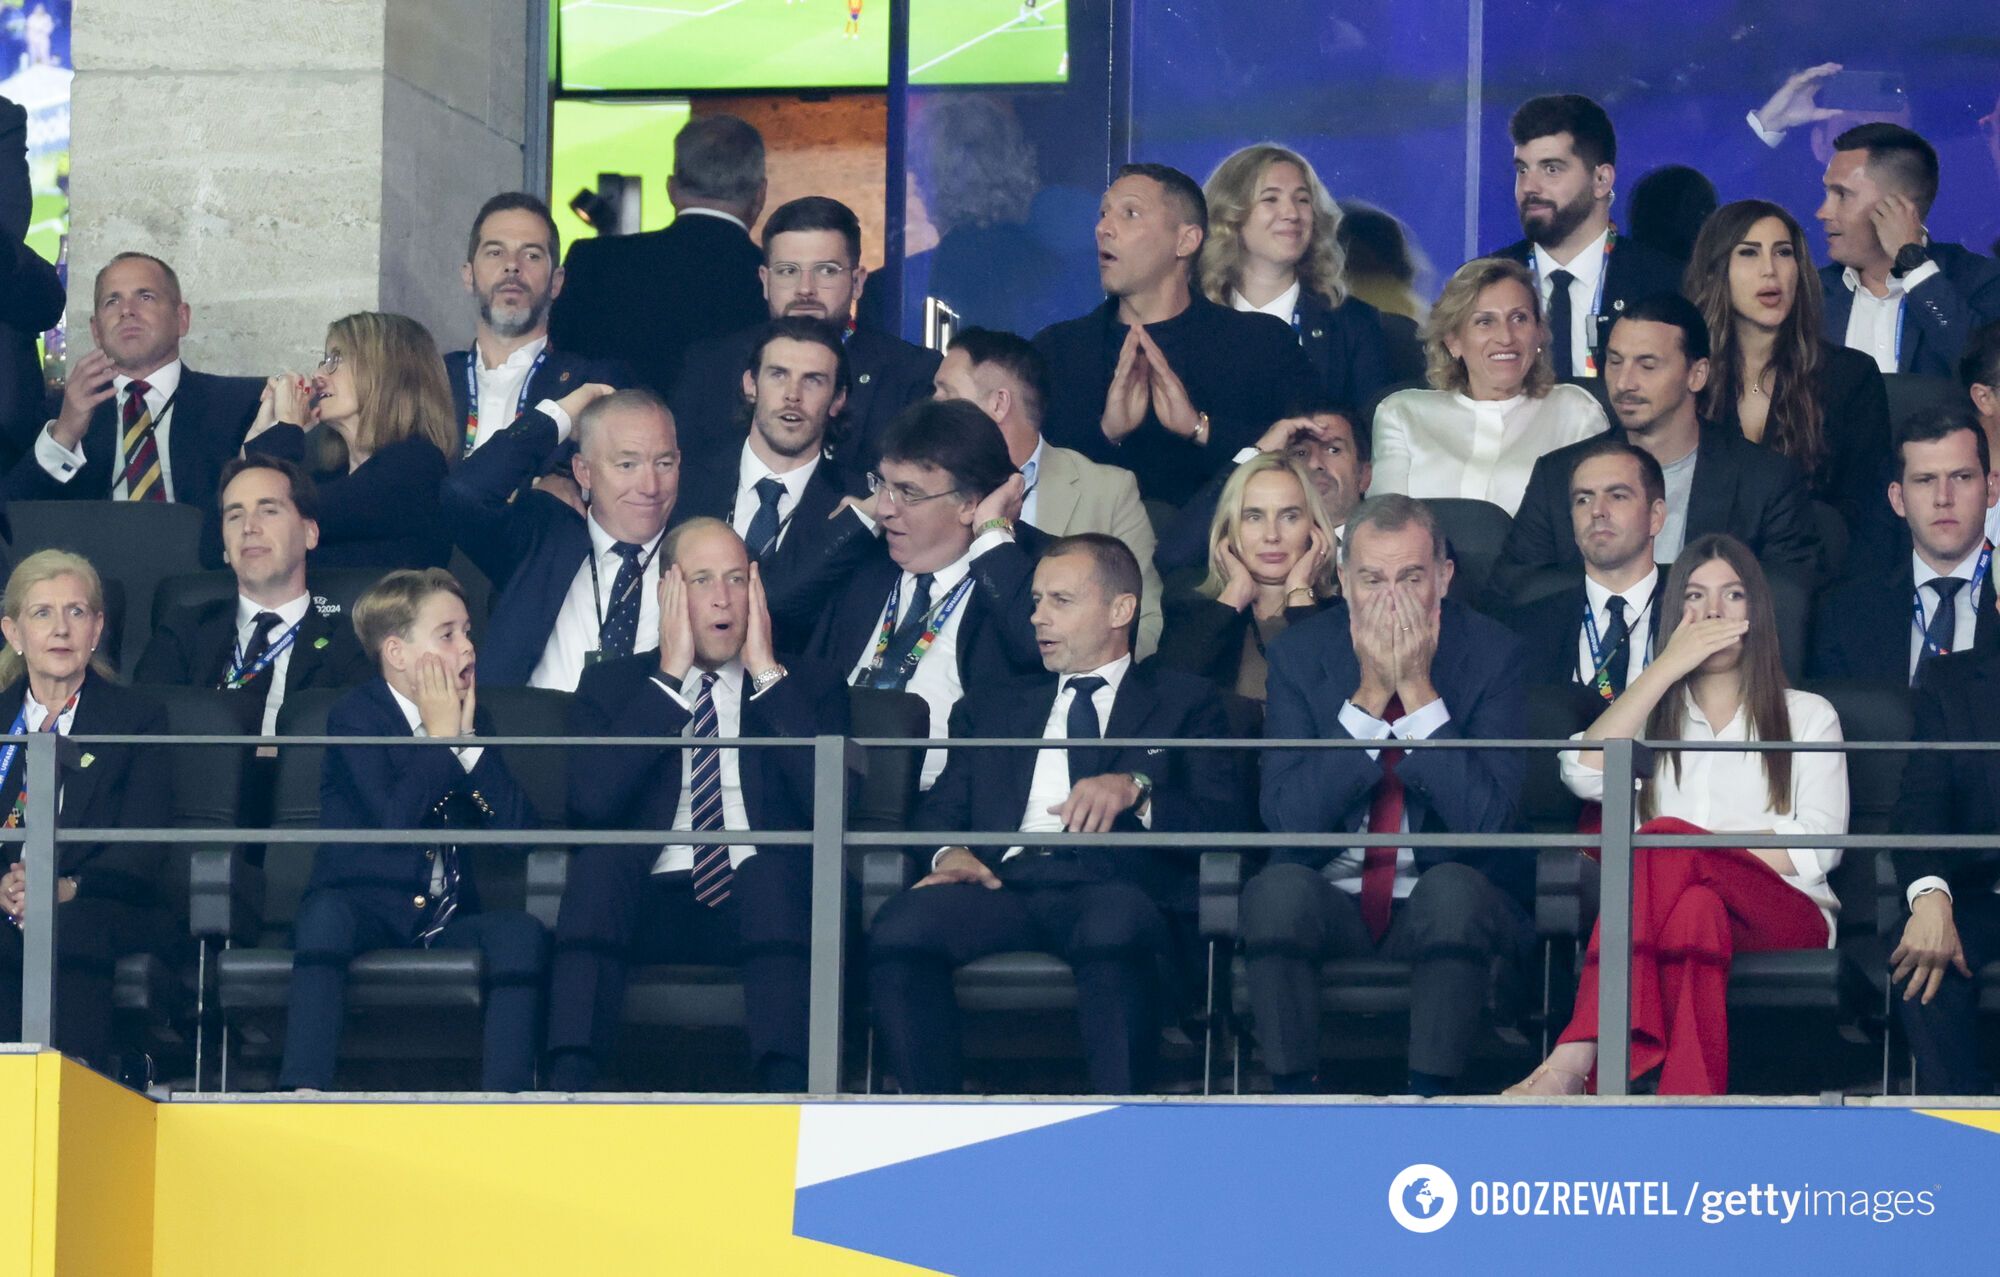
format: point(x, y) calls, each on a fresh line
point(1600, 660)
point(13, 749)
point(238, 676)
point(939, 614)
point(472, 391)
point(1902, 312)
point(1916, 605)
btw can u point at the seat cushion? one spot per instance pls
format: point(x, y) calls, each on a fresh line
point(1016, 982)
point(261, 979)
point(685, 996)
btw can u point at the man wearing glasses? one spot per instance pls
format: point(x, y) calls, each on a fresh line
point(946, 606)
point(812, 267)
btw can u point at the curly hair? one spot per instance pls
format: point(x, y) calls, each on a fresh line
point(1232, 193)
point(1446, 371)
point(974, 165)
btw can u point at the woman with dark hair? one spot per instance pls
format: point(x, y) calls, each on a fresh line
point(380, 388)
point(1274, 246)
point(1770, 374)
point(1718, 677)
point(1669, 207)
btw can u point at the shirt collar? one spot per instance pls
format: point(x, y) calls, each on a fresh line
point(1637, 597)
point(289, 614)
point(1031, 469)
point(37, 713)
point(731, 218)
point(601, 542)
point(946, 577)
point(753, 469)
point(521, 358)
point(728, 676)
point(1924, 572)
point(1281, 306)
point(1490, 407)
point(164, 380)
point(1736, 728)
point(1113, 674)
point(1852, 278)
point(411, 714)
point(1586, 266)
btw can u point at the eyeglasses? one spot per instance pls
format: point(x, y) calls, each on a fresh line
point(823, 273)
point(330, 362)
point(902, 494)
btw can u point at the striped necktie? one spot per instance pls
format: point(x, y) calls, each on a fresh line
point(141, 447)
point(711, 860)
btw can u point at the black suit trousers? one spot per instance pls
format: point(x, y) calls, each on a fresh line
point(1111, 933)
point(1452, 927)
point(333, 926)
point(617, 912)
point(91, 936)
point(1944, 1036)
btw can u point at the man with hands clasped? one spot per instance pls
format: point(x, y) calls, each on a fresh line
point(698, 898)
point(1395, 660)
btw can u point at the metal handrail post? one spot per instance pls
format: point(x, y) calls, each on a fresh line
point(38, 919)
point(829, 917)
point(1614, 924)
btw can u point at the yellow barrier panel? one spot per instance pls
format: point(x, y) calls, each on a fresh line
point(76, 1172)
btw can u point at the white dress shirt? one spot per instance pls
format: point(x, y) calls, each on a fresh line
point(500, 388)
point(1875, 323)
point(34, 714)
point(288, 614)
point(1031, 474)
point(750, 471)
point(937, 677)
point(1679, 476)
point(1728, 793)
point(468, 758)
point(1965, 604)
point(1344, 870)
point(1640, 601)
point(579, 620)
point(731, 218)
point(1434, 443)
point(1283, 306)
point(727, 696)
point(1587, 268)
point(162, 384)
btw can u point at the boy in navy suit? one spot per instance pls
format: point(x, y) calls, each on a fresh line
point(420, 894)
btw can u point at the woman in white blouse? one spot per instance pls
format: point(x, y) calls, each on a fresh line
point(1494, 407)
point(1717, 677)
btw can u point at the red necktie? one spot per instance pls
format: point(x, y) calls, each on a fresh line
point(142, 447)
point(1385, 816)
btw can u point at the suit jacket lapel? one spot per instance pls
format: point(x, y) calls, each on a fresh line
point(184, 460)
point(1056, 494)
point(79, 781)
point(1028, 716)
point(11, 700)
point(749, 771)
point(1986, 626)
point(864, 358)
point(101, 444)
point(1839, 306)
point(309, 648)
point(1130, 710)
point(1713, 491)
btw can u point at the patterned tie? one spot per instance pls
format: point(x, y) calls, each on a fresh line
point(19, 811)
point(620, 629)
point(1084, 760)
point(1562, 333)
point(1385, 816)
point(445, 903)
point(141, 448)
point(260, 642)
point(764, 524)
point(1941, 635)
point(711, 860)
point(1617, 633)
point(909, 629)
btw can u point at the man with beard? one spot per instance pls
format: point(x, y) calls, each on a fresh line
point(812, 269)
point(510, 267)
point(1565, 165)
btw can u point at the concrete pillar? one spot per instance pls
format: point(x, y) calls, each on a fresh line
point(294, 161)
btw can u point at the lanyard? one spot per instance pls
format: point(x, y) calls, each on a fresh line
point(1600, 660)
point(934, 622)
point(1916, 605)
point(7, 755)
point(472, 392)
point(1596, 303)
point(597, 599)
point(1902, 311)
point(238, 676)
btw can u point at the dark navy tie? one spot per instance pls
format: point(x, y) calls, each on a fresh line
point(621, 620)
point(1617, 636)
point(1084, 725)
point(764, 525)
point(1562, 335)
point(1941, 635)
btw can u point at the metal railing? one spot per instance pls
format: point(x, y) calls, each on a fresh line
point(830, 839)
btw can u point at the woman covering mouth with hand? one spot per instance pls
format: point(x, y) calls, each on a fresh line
point(1494, 407)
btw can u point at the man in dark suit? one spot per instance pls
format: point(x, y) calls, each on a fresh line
point(136, 423)
point(419, 895)
point(642, 300)
point(31, 295)
point(716, 675)
point(276, 637)
point(1891, 292)
point(1888, 626)
point(1716, 480)
point(1159, 379)
point(1395, 660)
point(1600, 632)
point(812, 268)
point(1565, 172)
point(510, 269)
point(1100, 909)
point(1954, 926)
point(573, 588)
point(780, 488)
point(943, 606)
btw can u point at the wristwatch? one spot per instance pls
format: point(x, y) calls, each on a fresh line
point(997, 524)
point(1909, 258)
point(1145, 784)
point(763, 679)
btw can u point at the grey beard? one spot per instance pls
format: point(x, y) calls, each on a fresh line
point(513, 325)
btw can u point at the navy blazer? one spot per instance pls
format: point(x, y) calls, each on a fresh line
point(886, 375)
point(1862, 627)
point(195, 646)
point(641, 300)
point(1752, 493)
point(399, 787)
point(1956, 791)
point(1193, 791)
point(382, 514)
point(1346, 347)
point(31, 300)
point(1942, 313)
point(633, 788)
point(104, 787)
point(561, 372)
point(1549, 630)
point(1635, 272)
point(1477, 672)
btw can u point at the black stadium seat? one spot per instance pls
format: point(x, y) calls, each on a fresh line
point(192, 589)
point(140, 543)
point(1910, 392)
point(1475, 531)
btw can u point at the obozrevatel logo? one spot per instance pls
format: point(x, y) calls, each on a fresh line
point(1423, 1198)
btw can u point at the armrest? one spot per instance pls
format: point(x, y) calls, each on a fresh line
point(884, 872)
point(1220, 894)
point(1565, 893)
point(1891, 909)
point(225, 896)
point(547, 875)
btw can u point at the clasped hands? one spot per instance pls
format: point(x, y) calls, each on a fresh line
point(1144, 379)
point(1395, 640)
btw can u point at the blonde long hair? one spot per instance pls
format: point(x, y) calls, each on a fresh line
point(1228, 522)
point(399, 382)
point(1446, 371)
point(47, 565)
point(1231, 191)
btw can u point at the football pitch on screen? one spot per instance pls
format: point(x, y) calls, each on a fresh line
point(671, 45)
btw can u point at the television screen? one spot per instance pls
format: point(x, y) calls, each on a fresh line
point(674, 46)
